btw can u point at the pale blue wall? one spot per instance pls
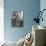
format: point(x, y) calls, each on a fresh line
point(29, 8)
point(43, 6)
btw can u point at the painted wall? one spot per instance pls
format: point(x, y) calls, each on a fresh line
point(1, 21)
point(43, 6)
point(29, 8)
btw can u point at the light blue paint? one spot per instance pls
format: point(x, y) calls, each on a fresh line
point(29, 8)
point(43, 6)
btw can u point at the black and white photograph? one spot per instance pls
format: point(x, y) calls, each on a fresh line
point(17, 19)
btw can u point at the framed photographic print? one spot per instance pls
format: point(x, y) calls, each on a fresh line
point(17, 19)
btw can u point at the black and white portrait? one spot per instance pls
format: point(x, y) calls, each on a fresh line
point(17, 19)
